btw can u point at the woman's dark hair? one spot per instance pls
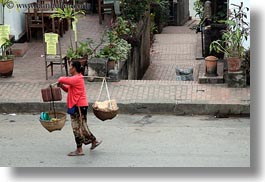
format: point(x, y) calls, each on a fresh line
point(77, 65)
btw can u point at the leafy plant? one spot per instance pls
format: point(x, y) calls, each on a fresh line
point(67, 13)
point(6, 50)
point(161, 10)
point(199, 9)
point(134, 10)
point(83, 50)
point(153, 27)
point(235, 35)
point(116, 49)
point(124, 27)
point(72, 54)
point(221, 13)
point(70, 15)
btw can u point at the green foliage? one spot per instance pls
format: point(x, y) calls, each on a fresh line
point(83, 50)
point(134, 10)
point(71, 54)
point(67, 13)
point(221, 13)
point(124, 27)
point(153, 27)
point(116, 49)
point(162, 10)
point(199, 9)
point(235, 35)
point(6, 50)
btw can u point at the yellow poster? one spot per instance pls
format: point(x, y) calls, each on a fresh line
point(74, 25)
point(51, 38)
point(4, 33)
point(51, 48)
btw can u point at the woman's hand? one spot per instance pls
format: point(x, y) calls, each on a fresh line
point(59, 85)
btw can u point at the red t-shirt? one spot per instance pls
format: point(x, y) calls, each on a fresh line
point(75, 86)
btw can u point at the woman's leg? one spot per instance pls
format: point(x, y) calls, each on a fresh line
point(77, 134)
point(88, 136)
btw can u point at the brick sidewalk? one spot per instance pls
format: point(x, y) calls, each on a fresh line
point(29, 75)
point(138, 91)
point(174, 48)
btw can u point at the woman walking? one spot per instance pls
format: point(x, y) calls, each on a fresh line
point(77, 108)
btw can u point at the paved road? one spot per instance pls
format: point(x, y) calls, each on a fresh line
point(130, 141)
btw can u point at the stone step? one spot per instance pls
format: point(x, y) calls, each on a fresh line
point(237, 79)
point(19, 49)
point(203, 79)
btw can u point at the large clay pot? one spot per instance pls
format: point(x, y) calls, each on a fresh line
point(6, 68)
point(234, 64)
point(211, 65)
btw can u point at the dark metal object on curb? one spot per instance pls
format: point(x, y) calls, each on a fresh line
point(184, 74)
point(114, 76)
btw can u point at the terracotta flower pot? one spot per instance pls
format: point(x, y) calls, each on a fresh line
point(211, 65)
point(6, 68)
point(234, 64)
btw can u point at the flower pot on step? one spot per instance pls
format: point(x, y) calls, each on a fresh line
point(6, 68)
point(234, 64)
point(211, 66)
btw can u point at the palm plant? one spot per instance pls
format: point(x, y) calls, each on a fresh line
point(6, 50)
point(236, 34)
point(234, 37)
point(69, 14)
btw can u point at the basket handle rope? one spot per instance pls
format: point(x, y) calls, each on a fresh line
point(104, 82)
point(53, 102)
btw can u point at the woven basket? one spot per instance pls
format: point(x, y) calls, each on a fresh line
point(54, 125)
point(104, 115)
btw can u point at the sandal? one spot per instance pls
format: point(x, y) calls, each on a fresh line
point(75, 153)
point(95, 144)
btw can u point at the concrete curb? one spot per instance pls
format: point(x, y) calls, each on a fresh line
point(140, 108)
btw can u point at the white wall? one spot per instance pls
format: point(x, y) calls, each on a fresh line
point(246, 4)
point(192, 12)
point(16, 19)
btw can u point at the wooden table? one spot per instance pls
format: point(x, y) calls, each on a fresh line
point(46, 13)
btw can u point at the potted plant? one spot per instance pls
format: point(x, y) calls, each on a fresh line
point(81, 53)
point(233, 38)
point(211, 65)
point(126, 30)
point(115, 50)
point(6, 59)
